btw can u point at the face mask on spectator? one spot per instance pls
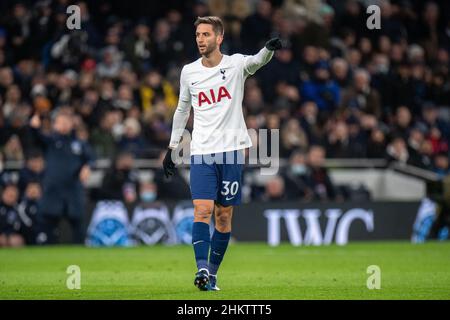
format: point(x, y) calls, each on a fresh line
point(298, 169)
point(148, 196)
point(383, 68)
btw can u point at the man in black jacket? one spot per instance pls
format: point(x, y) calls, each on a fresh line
point(121, 182)
point(317, 178)
point(68, 161)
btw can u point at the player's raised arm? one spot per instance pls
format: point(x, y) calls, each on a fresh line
point(180, 119)
point(253, 63)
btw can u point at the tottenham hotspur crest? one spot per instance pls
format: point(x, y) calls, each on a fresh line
point(222, 71)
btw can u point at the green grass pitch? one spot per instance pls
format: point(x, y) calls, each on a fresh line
point(249, 271)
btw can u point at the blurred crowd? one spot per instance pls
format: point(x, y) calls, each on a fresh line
point(337, 89)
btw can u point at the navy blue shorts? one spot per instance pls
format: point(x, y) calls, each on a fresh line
point(217, 176)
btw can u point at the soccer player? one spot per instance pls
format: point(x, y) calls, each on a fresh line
point(214, 86)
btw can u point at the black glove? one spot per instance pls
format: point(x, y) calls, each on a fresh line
point(273, 44)
point(168, 164)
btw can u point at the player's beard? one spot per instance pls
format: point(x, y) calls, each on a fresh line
point(209, 49)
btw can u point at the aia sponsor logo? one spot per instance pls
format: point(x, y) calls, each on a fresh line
point(211, 96)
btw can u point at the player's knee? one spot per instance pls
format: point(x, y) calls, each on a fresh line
point(223, 221)
point(203, 211)
point(223, 218)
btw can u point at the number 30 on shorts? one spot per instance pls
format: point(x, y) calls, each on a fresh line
point(230, 188)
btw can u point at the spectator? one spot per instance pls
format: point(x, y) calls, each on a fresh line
point(272, 123)
point(102, 138)
point(340, 73)
point(13, 150)
point(9, 218)
point(253, 100)
point(437, 141)
point(33, 170)
point(361, 98)
point(28, 212)
point(121, 181)
point(428, 31)
point(402, 122)
point(341, 145)
point(309, 59)
point(70, 49)
point(376, 145)
point(321, 89)
point(256, 27)
point(381, 80)
point(19, 28)
point(441, 165)
point(430, 119)
point(437, 89)
point(353, 17)
point(274, 190)
point(68, 162)
point(138, 47)
point(317, 178)
point(111, 63)
point(63, 91)
point(175, 188)
point(414, 144)
point(13, 98)
point(132, 140)
point(403, 85)
point(153, 89)
point(6, 80)
point(164, 49)
point(396, 150)
point(292, 137)
point(309, 121)
point(16, 126)
point(124, 100)
point(287, 99)
point(295, 176)
point(283, 70)
point(148, 193)
point(426, 152)
point(157, 132)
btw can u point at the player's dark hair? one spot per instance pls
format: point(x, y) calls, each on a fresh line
point(216, 23)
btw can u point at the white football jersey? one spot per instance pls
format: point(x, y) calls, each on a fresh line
point(216, 95)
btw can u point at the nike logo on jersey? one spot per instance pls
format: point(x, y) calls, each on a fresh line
point(193, 83)
point(211, 96)
point(229, 198)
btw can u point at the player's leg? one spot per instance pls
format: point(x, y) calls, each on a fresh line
point(219, 240)
point(200, 231)
point(203, 182)
point(230, 177)
point(201, 240)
